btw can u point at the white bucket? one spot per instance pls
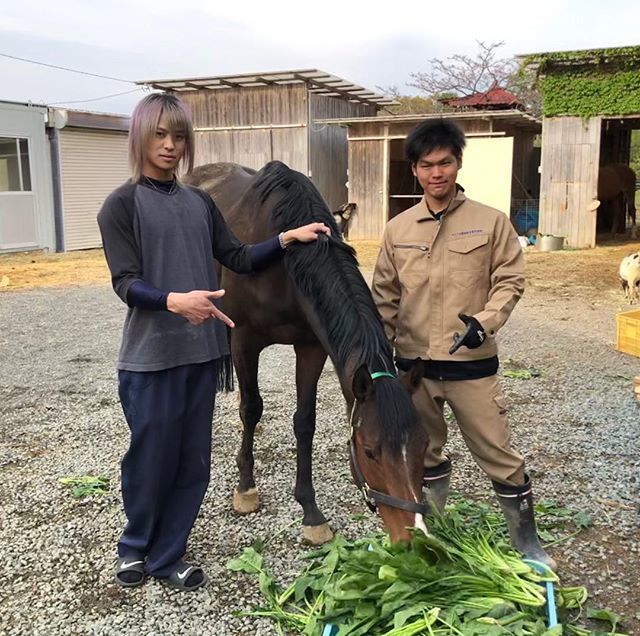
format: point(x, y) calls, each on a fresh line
point(551, 243)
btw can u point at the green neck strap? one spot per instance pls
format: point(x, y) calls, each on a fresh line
point(382, 374)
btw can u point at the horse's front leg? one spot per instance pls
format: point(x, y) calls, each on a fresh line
point(310, 359)
point(246, 354)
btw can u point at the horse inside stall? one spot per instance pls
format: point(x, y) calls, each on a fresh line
point(616, 193)
point(316, 299)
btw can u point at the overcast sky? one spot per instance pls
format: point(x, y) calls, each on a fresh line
point(367, 43)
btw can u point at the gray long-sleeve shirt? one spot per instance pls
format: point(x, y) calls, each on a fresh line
point(168, 240)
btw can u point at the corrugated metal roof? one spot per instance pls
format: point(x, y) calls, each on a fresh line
point(318, 82)
point(512, 115)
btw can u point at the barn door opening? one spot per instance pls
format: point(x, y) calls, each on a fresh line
point(485, 174)
point(404, 189)
point(618, 175)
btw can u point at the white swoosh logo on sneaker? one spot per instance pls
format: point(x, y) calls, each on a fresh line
point(182, 575)
point(126, 565)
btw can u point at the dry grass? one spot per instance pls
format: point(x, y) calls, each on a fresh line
point(41, 269)
point(588, 272)
point(367, 253)
point(28, 270)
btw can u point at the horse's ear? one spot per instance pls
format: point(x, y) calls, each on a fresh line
point(412, 378)
point(362, 385)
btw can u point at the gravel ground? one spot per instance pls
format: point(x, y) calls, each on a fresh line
point(577, 424)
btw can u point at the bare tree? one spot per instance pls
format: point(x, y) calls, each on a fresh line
point(409, 104)
point(524, 85)
point(464, 75)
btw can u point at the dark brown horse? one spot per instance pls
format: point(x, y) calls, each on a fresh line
point(616, 192)
point(315, 299)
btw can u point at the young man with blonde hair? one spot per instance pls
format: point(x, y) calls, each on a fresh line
point(449, 273)
point(160, 239)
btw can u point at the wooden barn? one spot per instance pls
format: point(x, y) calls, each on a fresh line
point(255, 118)
point(591, 107)
point(500, 163)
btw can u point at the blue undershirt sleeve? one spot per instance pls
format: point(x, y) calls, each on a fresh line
point(265, 253)
point(145, 296)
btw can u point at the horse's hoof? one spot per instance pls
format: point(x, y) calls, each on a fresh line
point(244, 503)
point(317, 535)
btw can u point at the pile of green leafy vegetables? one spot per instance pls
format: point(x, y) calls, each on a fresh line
point(463, 579)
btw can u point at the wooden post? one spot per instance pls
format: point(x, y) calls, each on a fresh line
point(385, 177)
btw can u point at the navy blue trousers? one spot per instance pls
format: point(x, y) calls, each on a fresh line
point(165, 472)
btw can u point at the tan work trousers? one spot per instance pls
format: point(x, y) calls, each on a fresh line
point(480, 409)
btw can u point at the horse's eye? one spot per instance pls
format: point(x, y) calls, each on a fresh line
point(370, 453)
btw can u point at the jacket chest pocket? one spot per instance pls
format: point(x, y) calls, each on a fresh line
point(412, 263)
point(469, 253)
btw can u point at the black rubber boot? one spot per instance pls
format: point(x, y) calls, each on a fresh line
point(517, 506)
point(436, 481)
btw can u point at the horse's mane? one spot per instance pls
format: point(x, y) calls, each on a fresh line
point(326, 273)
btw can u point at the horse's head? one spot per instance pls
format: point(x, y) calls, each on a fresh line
point(387, 448)
point(342, 217)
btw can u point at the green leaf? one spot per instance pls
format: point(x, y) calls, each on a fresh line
point(605, 615)
point(387, 573)
point(582, 520)
point(520, 374)
point(475, 628)
point(400, 618)
point(250, 561)
point(86, 485)
point(267, 587)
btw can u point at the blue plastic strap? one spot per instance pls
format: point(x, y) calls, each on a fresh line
point(548, 585)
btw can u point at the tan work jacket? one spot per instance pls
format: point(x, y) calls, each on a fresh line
point(429, 271)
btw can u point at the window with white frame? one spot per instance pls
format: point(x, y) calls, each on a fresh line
point(15, 170)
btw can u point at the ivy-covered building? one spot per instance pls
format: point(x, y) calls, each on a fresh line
point(591, 106)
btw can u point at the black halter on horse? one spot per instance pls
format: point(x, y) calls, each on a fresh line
point(373, 498)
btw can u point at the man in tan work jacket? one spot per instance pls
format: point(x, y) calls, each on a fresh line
point(449, 273)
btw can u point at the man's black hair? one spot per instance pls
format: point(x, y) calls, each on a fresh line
point(431, 135)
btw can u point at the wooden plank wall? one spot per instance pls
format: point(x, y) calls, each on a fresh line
point(367, 173)
point(262, 105)
point(254, 148)
point(328, 151)
point(244, 107)
point(570, 159)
